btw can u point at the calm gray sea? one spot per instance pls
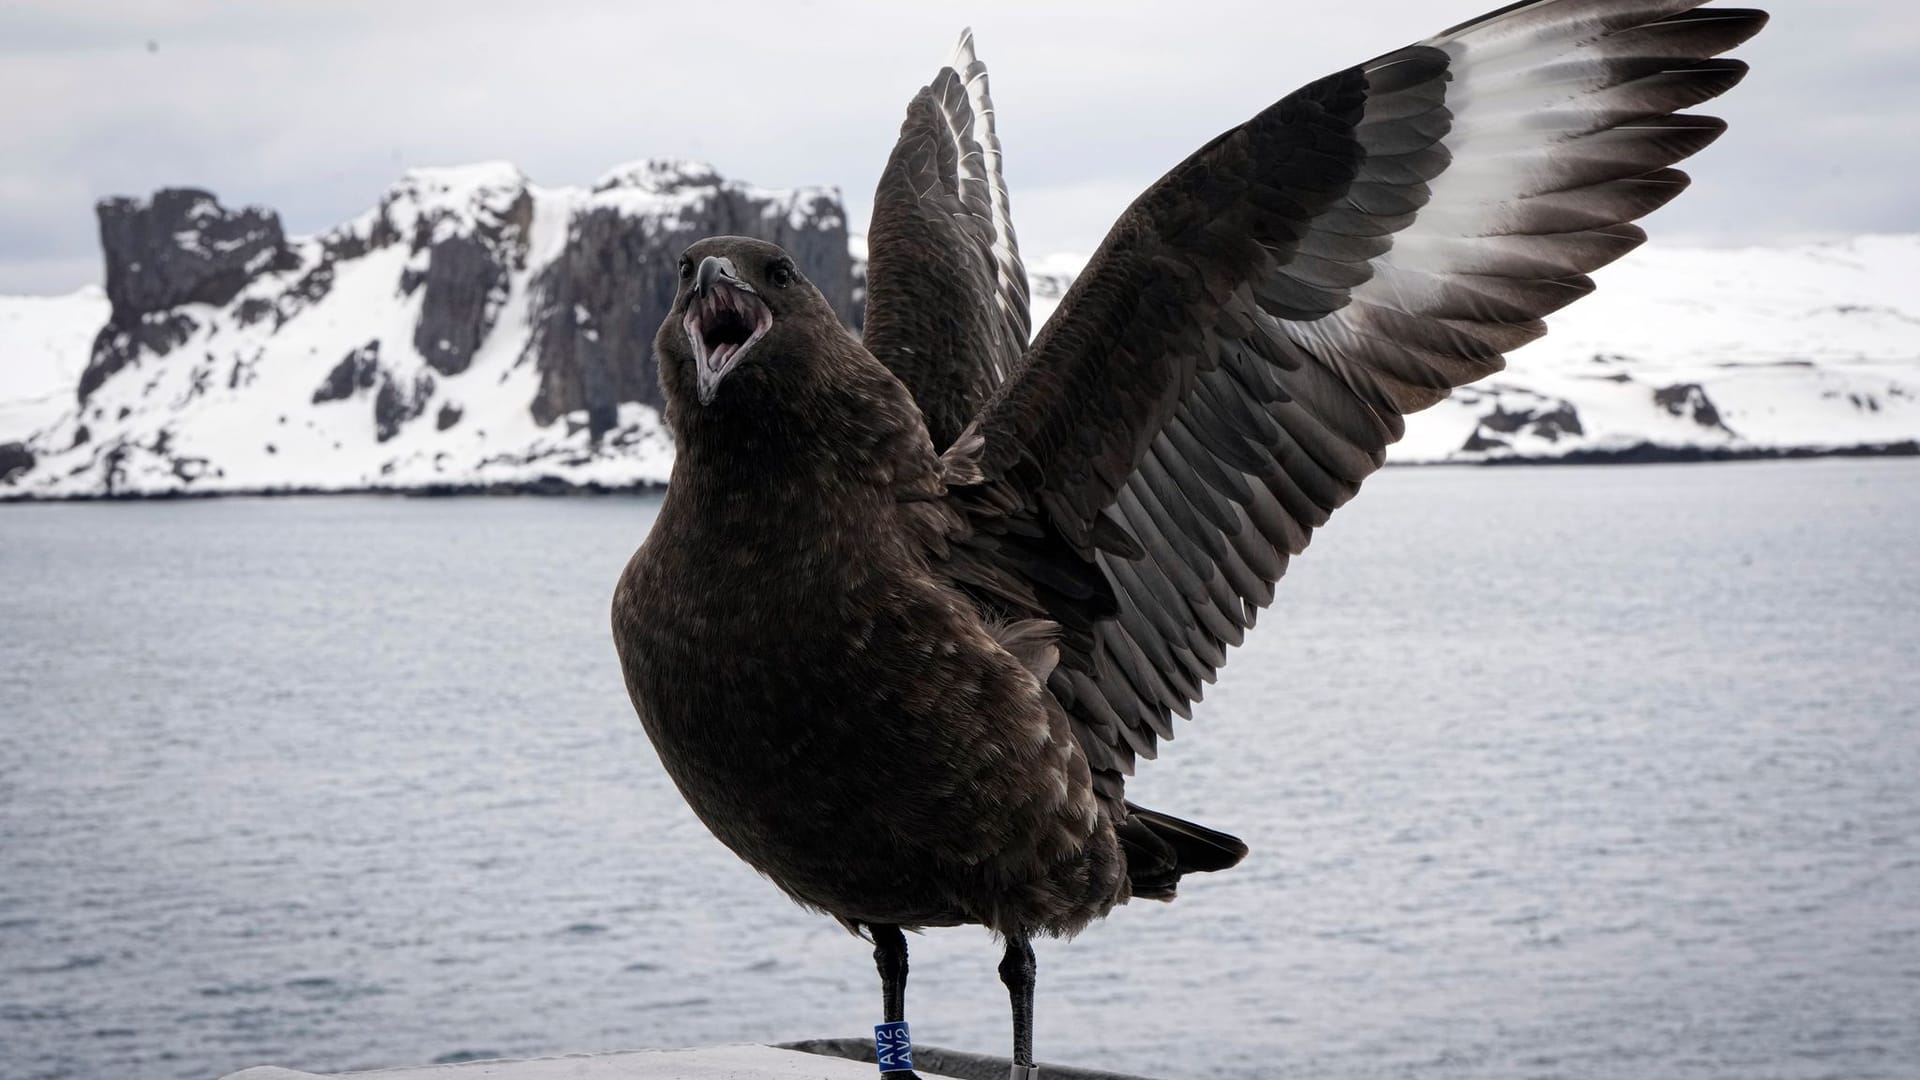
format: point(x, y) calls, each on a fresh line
point(1585, 773)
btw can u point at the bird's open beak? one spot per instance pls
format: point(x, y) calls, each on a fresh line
point(724, 319)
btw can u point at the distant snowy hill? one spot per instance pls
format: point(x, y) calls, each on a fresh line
point(474, 330)
point(1683, 353)
point(1805, 348)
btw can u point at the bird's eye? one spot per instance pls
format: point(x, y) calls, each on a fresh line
point(780, 275)
point(686, 268)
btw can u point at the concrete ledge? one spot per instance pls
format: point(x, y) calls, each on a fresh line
point(938, 1061)
point(703, 1063)
point(813, 1059)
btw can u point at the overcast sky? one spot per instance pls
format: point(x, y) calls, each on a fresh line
point(312, 107)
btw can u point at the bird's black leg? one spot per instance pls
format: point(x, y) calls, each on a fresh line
point(890, 956)
point(1016, 970)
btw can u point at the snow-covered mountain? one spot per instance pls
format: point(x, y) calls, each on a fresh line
point(474, 330)
point(1684, 354)
point(1813, 348)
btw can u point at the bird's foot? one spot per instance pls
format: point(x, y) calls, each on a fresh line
point(1024, 1072)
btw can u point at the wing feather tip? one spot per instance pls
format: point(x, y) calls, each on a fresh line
point(962, 55)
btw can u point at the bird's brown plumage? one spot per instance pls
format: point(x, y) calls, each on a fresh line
point(831, 708)
point(912, 610)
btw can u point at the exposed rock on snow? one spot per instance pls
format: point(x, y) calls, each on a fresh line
point(358, 370)
point(15, 458)
point(467, 229)
point(182, 248)
point(1690, 399)
point(519, 318)
point(1512, 415)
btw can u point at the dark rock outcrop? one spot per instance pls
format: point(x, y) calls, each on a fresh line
point(397, 399)
point(313, 287)
point(398, 402)
point(182, 247)
point(1481, 441)
point(358, 370)
point(119, 345)
point(15, 458)
point(471, 252)
point(602, 300)
point(465, 288)
point(1691, 400)
point(1551, 420)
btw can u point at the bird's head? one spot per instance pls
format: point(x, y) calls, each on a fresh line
point(742, 310)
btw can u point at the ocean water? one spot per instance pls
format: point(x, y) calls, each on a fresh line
point(1595, 773)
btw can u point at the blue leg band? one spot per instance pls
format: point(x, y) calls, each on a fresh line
point(892, 1048)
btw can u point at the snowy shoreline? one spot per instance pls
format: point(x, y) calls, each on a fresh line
point(560, 487)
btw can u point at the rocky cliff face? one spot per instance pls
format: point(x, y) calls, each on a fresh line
point(604, 297)
point(181, 248)
point(465, 251)
point(471, 329)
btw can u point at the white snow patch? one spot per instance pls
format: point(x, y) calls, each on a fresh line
point(658, 175)
point(452, 200)
point(45, 342)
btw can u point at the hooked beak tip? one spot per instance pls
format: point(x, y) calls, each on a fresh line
point(715, 269)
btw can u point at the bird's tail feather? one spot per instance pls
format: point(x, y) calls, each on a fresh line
point(1160, 848)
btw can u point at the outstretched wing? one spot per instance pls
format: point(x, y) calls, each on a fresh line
point(1241, 350)
point(946, 293)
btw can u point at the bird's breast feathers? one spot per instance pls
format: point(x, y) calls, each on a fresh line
point(847, 681)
